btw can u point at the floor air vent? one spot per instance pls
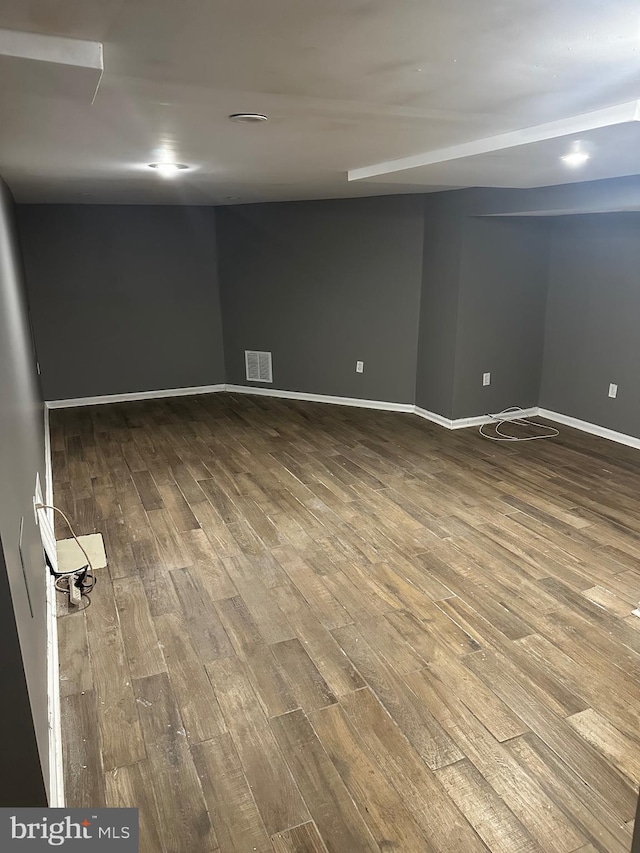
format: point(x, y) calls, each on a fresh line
point(258, 366)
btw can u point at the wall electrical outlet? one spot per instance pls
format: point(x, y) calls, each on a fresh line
point(359, 366)
point(486, 379)
point(613, 390)
point(37, 496)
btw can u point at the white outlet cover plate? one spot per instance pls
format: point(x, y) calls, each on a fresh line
point(37, 496)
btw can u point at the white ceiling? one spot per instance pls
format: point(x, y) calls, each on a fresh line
point(533, 157)
point(346, 84)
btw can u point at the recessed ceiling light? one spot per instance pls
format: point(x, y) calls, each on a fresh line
point(575, 159)
point(248, 118)
point(168, 170)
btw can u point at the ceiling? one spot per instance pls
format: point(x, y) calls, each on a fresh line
point(347, 84)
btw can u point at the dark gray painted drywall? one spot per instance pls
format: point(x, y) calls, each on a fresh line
point(482, 309)
point(124, 299)
point(422, 289)
point(21, 778)
point(592, 321)
point(504, 268)
point(322, 285)
point(23, 637)
point(613, 194)
point(443, 231)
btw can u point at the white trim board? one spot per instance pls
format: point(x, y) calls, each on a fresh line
point(592, 429)
point(381, 405)
point(56, 774)
point(233, 389)
point(133, 396)
point(478, 420)
point(447, 423)
point(566, 420)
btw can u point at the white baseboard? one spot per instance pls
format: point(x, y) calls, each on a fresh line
point(135, 395)
point(234, 389)
point(478, 420)
point(462, 423)
point(592, 429)
point(321, 398)
point(56, 774)
point(381, 405)
point(447, 423)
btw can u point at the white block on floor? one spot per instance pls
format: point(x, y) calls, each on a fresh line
point(70, 557)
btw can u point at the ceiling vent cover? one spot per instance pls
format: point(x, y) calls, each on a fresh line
point(258, 366)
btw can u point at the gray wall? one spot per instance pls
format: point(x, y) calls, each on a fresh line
point(439, 304)
point(124, 299)
point(504, 267)
point(484, 285)
point(593, 308)
point(321, 285)
point(430, 291)
point(23, 657)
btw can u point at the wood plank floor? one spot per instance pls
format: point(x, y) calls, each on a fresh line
point(332, 629)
